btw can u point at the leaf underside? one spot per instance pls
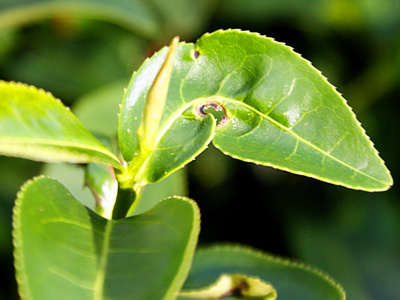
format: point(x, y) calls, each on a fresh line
point(291, 281)
point(280, 112)
point(37, 126)
point(60, 245)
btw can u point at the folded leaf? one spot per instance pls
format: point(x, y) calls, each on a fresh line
point(134, 15)
point(37, 126)
point(269, 106)
point(292, 281)
point(63, 250)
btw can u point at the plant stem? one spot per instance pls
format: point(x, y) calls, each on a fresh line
point(125, 198)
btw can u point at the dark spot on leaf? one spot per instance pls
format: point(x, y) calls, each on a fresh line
point(238, 289)
point(216, 109)
point(195, 54)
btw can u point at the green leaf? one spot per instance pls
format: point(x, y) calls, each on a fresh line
point(133, 15)
point(60, 245)
point(179, 142)
point(278, 110)
point(291, 280)
point(37, 126)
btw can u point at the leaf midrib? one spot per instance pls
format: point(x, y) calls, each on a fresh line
point(98, 287)
point(164, 128)
point(174, 116)
point(62, 144)
point(299, 138)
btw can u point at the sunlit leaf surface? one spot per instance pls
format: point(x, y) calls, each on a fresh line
point(271, 107)
point(63, 250)
point(37, 126)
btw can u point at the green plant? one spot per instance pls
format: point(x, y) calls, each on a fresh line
point(254, 98)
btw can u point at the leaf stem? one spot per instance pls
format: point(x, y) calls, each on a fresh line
point(125, 198)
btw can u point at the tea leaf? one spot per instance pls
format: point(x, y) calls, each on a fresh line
point(37, 126)
point(60, 245)
point(271, 108)
point(290, 280)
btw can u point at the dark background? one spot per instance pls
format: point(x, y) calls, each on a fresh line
point(354, 236)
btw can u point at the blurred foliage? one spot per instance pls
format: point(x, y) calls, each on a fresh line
point(81, 57)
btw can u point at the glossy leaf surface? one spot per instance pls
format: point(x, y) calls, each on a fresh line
point(37, 126)
point(65, 251)
point(279, 111)
point(291, 281)
point(134, 14)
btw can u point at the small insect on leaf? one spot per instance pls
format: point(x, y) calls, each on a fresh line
point(216, 109)
point(195, 54)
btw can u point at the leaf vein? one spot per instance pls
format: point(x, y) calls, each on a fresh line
point(301, 139)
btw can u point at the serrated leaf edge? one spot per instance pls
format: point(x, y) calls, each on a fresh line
point(371, 144)
point(385, 185)
point(19, 264)
point(186, 263)
point(112, 159)
point(285, 261)
point(47, 154)
point(18, 254)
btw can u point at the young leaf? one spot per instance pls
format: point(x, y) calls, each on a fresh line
point(290, 280)
point(156, 101)
point(37, 126)
point(65, 251)
point(133, 15)
point(271, 108)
